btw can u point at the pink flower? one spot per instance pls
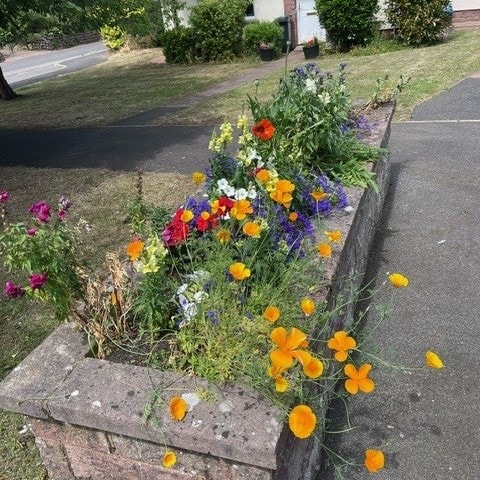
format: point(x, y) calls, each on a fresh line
point(62, 214)
point(13, 291)
point(4, 196)
point(41, 210)
point(32, 231)
point(37, 280)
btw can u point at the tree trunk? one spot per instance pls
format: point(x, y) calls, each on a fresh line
point(6, 92)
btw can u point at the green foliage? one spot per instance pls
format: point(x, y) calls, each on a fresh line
point(311, 114)
point(348, 22)
point(53, 251)
point(419, 22)
point(262, 32)
point(179, 45)
point(218, 26)
point(377, 46)
point(113, 37)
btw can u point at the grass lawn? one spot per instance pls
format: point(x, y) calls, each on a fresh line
point(130, 83)
point(126, 84)
point(432, 70)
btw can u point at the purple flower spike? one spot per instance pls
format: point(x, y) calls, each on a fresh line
point(41, 210)
point(37, 280)
point(13, 291)
point(4, 196)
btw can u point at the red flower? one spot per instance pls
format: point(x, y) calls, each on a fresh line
point(206, 221)
point(175, 232)
point(263, 129)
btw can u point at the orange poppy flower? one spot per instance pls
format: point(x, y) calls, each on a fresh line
point(289, 348)
point(398, 280)
point(252, 229)
point(302, 421)
point(374, 460)
point(186, 216)
point(342, 343)
point(283, 193)
point(318, 195)
point(308, 306)
point(314, 368)
point(178, 408)
point(264, 129)
point(324, 250)
point(293, 216)
point(169, 459)
point(240, 209)
point(134, 249)
point(263, 175)
point(271, 313)
point(239, 271)
point(358, 379)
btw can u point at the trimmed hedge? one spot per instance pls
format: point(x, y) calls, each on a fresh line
point(179, 45)
point(262, 32)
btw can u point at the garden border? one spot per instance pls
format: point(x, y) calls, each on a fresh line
point(89, 415)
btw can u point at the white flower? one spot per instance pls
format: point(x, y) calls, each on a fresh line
point(252, 192)
point(182, 288)
point(241, 194)
point(222, 184)
point(310, 85)
point(199, 296)
point(229, 191)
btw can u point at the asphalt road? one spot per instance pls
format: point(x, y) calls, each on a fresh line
point(34, 68)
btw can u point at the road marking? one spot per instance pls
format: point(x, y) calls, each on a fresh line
point(439, 121)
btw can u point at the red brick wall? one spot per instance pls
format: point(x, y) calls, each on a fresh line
point(290, 7)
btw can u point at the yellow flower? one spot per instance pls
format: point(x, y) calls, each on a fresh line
point(333, 235)
point(240, 209)
point(374, 460)
point(198, 177)
point(252, 229)
point(263, 175)
point(178, 408)
point(302, 421)
point(271, 313)
point(318, 195)
point(239, 271)
point(308, 306)
point(289, 348)
point(342, 343)
point(293, 216)
point(169, 459)
point(186, 216)
point(398, 280)
point(223, 236)
point(433, 360)
point(314, 368)
point(358, 379)
point(324, 250)
point(134, 249)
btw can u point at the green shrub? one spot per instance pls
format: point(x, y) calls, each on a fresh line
point(113, 37)
point(179, 45)
point(218, 26)
point(420, 22)
point(262, 32)
point(348, 22)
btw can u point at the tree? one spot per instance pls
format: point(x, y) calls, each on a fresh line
point(348, 22)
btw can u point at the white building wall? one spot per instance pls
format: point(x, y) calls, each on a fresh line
point(465, 5)
point(269, 10)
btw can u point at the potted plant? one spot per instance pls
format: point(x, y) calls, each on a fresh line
point(267, 51)
point(311, 48)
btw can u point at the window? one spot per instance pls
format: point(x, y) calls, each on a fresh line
point(250, 11)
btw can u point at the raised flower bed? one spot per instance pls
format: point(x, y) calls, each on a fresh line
point(93, 418)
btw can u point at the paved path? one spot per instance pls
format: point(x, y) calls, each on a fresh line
point(428, 422)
